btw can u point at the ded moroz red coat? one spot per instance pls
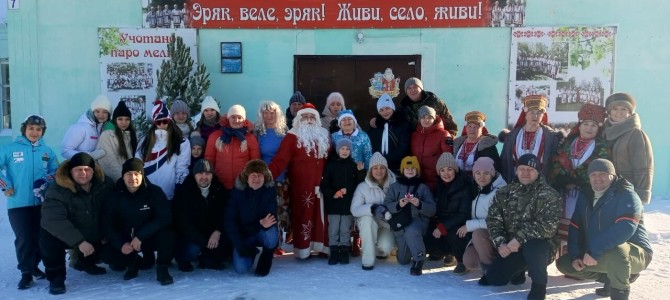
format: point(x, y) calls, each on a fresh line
point(304, 175)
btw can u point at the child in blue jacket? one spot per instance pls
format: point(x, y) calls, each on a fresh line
point(29, 166)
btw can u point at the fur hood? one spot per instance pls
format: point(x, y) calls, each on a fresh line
point(502, 136)
point(485, 141)
point(614, 131)
point(64, 180)
point(239, 185)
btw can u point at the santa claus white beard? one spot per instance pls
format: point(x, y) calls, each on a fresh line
point(312, 137)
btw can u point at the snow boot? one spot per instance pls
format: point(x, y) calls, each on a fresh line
point(163, 276)
point(264, 262)
point(460, 269)
point(344, 255)
point(450, 260)
point(133, 268)
point(483, 281)
point(519, 279)
point(334, 255)
point(91, 269)
point(26, 281)
point(617, 294)
point(57, 285)
point(537, 291)
point(37, 273)
point(416, 268)
point(605, 290)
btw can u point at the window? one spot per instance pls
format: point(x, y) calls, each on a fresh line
point(5, 108)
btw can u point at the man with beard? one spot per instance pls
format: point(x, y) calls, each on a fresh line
point(303, 152)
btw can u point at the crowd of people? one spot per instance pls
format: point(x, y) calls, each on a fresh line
point(164, 17)
point(227, 190)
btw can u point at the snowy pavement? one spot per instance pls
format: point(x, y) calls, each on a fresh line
point(314, 279)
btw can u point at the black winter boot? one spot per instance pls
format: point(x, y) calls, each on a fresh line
point(605, 290)
point(537, 291)
point(334, 255)
point(264, 262)
point(57, 285)
point(133, 268)
point(37, 273)
point(519, 279)
point(416, 268)
point(163, 276)
point(344, 255)
point(617, 294)
point(26, 281)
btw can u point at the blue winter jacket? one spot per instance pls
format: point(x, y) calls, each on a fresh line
point(24, 163)
point(615, 219)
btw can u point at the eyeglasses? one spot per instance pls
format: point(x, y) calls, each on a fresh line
point(162, 122)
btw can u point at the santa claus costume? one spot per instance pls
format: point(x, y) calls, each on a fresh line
point(303, 153)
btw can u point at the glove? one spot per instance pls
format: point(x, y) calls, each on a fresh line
point(97, 154)
point(247, 251)
point(38, 186)
point(380, 212)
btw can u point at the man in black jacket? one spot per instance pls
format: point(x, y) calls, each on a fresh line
point(137, 218)
point(70, 218)
point(200, 207)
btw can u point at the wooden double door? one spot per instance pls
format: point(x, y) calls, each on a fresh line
point(356, 77)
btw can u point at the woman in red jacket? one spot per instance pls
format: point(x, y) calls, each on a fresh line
point(230, 148)
point(429, 141)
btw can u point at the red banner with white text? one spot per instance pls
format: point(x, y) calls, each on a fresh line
point(326, 14)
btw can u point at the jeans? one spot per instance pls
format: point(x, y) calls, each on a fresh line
point(267, 239)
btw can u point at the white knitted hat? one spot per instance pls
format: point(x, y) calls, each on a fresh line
point(237, 110)
point(101, 101)
point(209, 102)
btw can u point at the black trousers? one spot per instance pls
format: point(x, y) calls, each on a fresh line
point(162, 242)
point(534, 256)
point(53, 254)
point(448, 244)
point(25, 222)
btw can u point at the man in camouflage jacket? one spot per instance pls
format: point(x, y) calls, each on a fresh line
point(522, 220)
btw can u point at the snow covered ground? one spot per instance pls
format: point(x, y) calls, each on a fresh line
point(314, 279)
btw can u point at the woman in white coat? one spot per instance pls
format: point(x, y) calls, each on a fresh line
point(118, 142)
point(480, 252)
point(376, 236)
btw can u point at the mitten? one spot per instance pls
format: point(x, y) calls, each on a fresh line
point(38, 186)
point(380, 212)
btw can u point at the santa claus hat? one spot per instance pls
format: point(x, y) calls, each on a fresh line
point(308, 108)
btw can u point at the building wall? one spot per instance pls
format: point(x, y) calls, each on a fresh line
point(55, 69)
